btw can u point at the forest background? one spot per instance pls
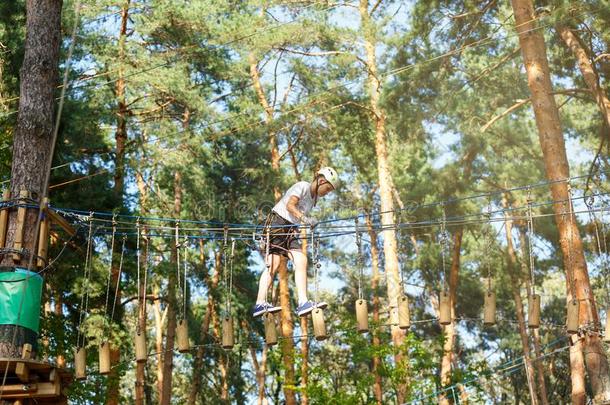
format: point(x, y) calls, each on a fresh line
point(206, 111)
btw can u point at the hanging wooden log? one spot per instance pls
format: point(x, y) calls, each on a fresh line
point(140, 343)
point(607, 331)
point(227, 333)
point(445, 308)
point(4, 218)
point(362, 316)
point(19, 231)
point(182, 336)
point(533, 313)
point(43, 236)
point(319, 328)
point(80, 363)
point(404, 318)
point(270, 330)
point(104, 356)
point(489, 313)
point(22, 371)
point(572, 317)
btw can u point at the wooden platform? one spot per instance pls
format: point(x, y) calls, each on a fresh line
point(31, 381)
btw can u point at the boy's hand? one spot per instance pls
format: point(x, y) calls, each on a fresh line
point(305, 220)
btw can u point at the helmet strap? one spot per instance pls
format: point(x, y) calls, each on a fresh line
point(315, 196)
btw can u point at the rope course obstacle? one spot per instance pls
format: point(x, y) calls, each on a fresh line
point(94, 226)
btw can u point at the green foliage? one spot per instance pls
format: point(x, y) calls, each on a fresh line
point(448, 69)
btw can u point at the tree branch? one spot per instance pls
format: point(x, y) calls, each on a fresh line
point(149, 297)
point(296, 141)
point(521, 103)
point(323, 53)
point(601, 56)
point(375, 7)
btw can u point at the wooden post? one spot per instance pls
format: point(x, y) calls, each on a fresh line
point(141, 352)
point(43, 236)
point(572, 317)
point(227, 333)
point(404, 318)
point(182, 336)
point(319, 328)
point(19, 232)
point(4, 218)
point(270, 331)
point(489, 316)
point(445, 308)
point(26, 351)
point(533, 311)
point(22, 371)
point(80, 363)
point(362, 316)
point(104, 357)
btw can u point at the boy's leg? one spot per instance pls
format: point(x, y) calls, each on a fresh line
point(266, 279)
point(299, 260)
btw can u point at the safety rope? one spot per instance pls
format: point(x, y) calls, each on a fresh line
point(488, 249)
point(443, 242)
point(315, 243)
point(109, 274)
point(530, 244)
point(360, 261)
point(225, 264)
point(570, 270)
point(138, 267)
point(83, 308)
point(184, 278)
point(118, 281)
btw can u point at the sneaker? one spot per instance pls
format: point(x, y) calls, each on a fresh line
point(321, 304)
point(272, 309)
point(305, 308)
point(265, 307)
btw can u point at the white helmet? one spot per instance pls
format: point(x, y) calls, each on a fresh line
point(330, 175)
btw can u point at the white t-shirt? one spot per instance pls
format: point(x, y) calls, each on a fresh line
point(305, 204)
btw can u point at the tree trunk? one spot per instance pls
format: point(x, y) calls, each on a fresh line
point(449, 330)
point(59, 313)
point(259, 369)
point(205, 327)
point(514, 273)
point(159, 321)
point(557, 168)
point(287, 330)
point(538, 365)
point(287, 327)
point(120, 135)
point(260, 93)
point(140, 366)
point(32, 140)
point(377, 385)
point(587, 69)
point(222, 359)
point(168, 354)
point(113, 381)
point(304, 332)
point(385, 182)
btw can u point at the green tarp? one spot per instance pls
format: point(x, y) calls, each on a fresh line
point(13, 286)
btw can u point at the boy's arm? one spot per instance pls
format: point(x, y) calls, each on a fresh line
point(291, 206)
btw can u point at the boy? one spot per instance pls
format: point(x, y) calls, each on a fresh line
point(284, 239)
